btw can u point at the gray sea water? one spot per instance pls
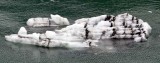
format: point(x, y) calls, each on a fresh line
point(15, 13)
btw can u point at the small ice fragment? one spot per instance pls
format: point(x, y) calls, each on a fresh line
point(150, 11)
point(52, 0)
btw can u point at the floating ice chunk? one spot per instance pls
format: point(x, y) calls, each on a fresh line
point(37, 22)
point(52, 0)
point(150, 11)
point(59, 20)
point(45, 42)
point(30, 22)
point(15, 38)
point(56, 20)
point(84, 31)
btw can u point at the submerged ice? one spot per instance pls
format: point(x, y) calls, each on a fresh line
point(84, 32)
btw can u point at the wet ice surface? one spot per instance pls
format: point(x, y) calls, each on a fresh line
point(104, 45)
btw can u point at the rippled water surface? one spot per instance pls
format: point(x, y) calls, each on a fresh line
point(14, 14)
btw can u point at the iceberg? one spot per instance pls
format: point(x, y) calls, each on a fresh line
point(86, 32)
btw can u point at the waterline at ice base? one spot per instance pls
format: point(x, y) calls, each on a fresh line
point(87, 32)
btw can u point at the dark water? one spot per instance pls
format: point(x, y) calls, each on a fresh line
point(14, 14)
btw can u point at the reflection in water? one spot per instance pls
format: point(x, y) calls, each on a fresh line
point(105, 46)
point(38, 53)
point(17, 47)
